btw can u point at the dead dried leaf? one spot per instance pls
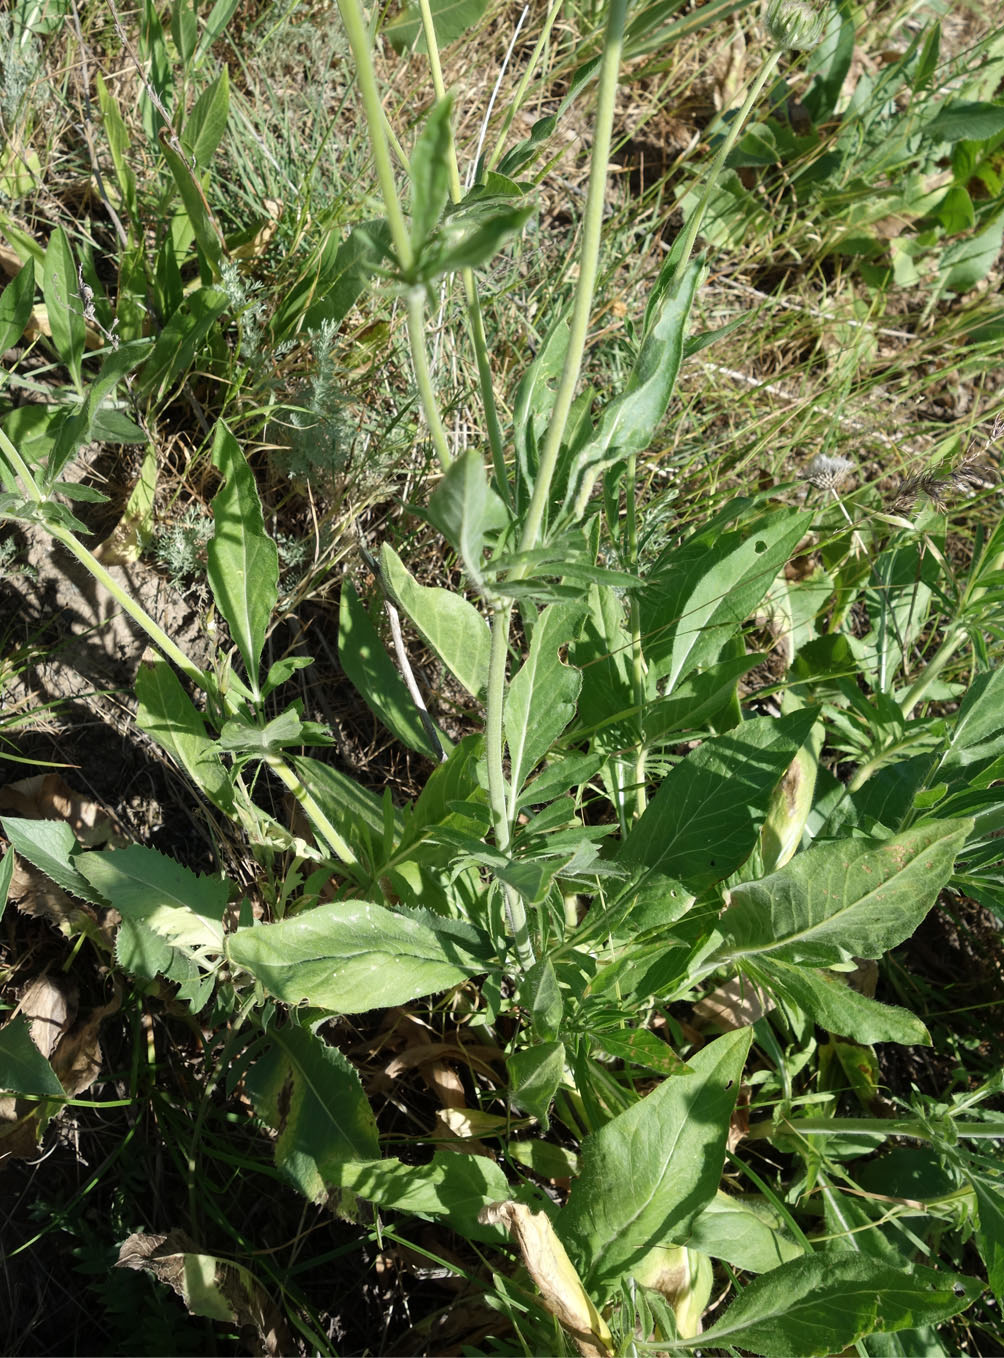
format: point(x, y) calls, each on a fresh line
point(210, 1286)
point(77, 1059)
point(552, 1271)
point(50, 1007)
point(48, 797)
point(736, 1004)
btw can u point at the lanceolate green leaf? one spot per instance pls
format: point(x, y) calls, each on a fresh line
point(834, 1005)
point(824, 1303)
point(990, 1231)
point(146, 886)
point(15, 305)
point(429, 172)
point(374, 674)
point(629, 422)
point(454, 628)
point(745, 1232)
point(63, 305)
point(541, 698)
point(466, 510)
point(702, 593)
point(848, 898)
point(648, 1173)
point(978, 734)
point(166, 713)
point(313, 1099)
point(704, 821)
point(207, 121)
point(243, 560)
point(351, 956)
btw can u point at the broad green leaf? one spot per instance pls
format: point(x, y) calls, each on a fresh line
point(23, 1068)
point(354, 811)
point(990, 1231)
point(963, 120)
point(540, 701)
point(843, 899)
point(745, 1232)
point(375, 675)
point(166, 713)
point(179, 341)
point(312, 1098)
point(466, 510)
point(452, 794)
point(15, 305)
point(52, 847)
point(81, 425)
point(63, 305)
point(453, 1188)
point(628, 424)
point(207, 120)
point(351, 956)
point(534, 1075)
point(193, 197)
point(454, 628)
point(700, 594)
point(649, 1172)
point(824, 1303)
point(834, 1005)
point(450, 19)
point(705, 819)
point(429, 172)
point(473, 232)
point(243, 562)
point(978, 733)
point(170, 899)
point(967, 262)
point(239, 736)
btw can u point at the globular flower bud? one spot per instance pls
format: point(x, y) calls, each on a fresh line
point(793, 24)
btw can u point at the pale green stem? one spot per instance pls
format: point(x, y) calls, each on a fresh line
point(156, 633)
point(355, 28)
point(914, 1128)
point(589, 255)
point(503, 809)
point(514, 907)
point(637, 654)
point(423, 377)
point(697, 217)
point(358, 37)
point(474, 317)
point(332, 838)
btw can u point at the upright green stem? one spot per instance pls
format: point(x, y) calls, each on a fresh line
point(589, 256)
point(735, 127)
point(128, 605)
point(423, 377)
point(355, 29)
point(474, 317)
point(503, 805)
point(637, 654)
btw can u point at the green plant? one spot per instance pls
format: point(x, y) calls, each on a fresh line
point(622, 827)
